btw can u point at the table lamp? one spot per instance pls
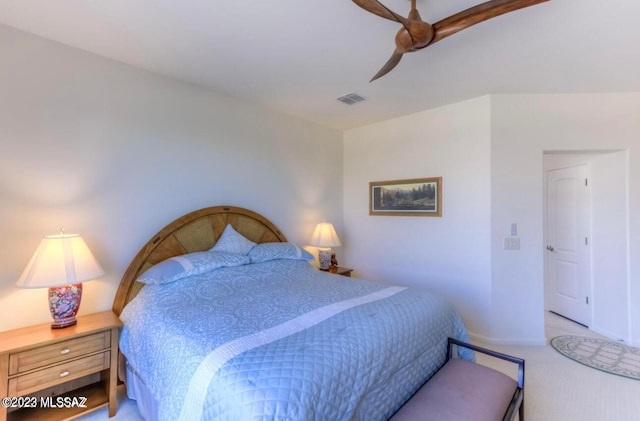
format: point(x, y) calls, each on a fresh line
point(61, 263)
point(324, 237)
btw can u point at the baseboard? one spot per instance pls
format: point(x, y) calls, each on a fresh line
point(611, 335)
point(507, 341)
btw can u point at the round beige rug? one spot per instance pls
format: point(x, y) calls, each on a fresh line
point(601, 354)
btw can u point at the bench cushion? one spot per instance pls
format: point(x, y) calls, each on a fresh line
point(461, 390)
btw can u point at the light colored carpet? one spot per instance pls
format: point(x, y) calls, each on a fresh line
point(559, 389)
point(601, 354)
point(127, 410)
point(556, 388)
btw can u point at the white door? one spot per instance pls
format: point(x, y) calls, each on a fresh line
point(568, 249)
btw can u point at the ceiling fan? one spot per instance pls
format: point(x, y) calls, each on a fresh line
point(417, 34)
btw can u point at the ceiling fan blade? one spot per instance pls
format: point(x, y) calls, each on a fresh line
point(388, 66)
point(377, 8)
point(477, 14)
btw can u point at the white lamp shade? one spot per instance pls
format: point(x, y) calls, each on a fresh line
point(60, 260)
point(324, 236)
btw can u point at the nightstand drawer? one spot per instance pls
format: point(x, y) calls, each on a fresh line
point(62, 351)
point(46, 377)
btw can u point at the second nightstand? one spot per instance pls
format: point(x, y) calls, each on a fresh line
point(341, 271)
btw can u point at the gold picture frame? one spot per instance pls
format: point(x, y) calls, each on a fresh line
point(409, 197)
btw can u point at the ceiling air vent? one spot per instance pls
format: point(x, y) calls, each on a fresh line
point(351, 98)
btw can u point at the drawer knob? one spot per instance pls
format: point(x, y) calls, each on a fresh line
point(65, 351)
point(64, 373)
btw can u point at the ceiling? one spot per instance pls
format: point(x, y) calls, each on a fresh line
point(298, 56)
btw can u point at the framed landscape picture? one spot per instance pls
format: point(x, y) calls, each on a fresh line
point(412, 197)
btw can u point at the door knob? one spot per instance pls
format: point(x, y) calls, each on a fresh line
point(550, 248)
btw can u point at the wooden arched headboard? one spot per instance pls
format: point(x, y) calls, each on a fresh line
point(196, 231)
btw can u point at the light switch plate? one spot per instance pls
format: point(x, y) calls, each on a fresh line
point(512, 243)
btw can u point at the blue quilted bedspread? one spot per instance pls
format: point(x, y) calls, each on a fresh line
point(281, 340)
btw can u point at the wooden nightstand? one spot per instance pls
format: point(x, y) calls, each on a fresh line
point(341, 271)
point(45, 373)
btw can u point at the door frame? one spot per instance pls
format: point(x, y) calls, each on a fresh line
point(611, 306)
point(547, 256)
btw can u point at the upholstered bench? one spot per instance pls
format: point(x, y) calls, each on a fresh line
point(464, 390)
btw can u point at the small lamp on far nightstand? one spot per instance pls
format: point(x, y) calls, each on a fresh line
point(324, 237)
point(61, 263)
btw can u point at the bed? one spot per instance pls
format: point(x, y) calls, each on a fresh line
point(264, 335)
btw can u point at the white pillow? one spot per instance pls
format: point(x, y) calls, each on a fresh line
point(272, 251)
point(232, 242)
point(179, 267)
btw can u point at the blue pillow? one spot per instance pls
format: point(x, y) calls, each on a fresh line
point(233, 242)
point(179, 267)
point(272, 251)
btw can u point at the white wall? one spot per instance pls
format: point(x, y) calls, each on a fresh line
point(115, 153)
point(523, 127)
point(611, 315)
point(490, 154)
point(449, 255)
